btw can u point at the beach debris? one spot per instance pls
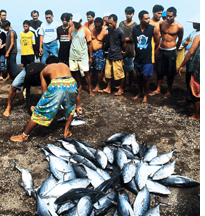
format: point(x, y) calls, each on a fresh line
point(89, 181)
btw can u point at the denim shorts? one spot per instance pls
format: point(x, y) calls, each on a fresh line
point(128, 64)
point(2, 63)
point(19, 80)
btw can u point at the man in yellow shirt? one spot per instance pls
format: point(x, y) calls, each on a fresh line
point(27, 42)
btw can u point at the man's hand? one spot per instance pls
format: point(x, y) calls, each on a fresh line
point(79, 110)
point(90, 61)
point(179, 70)
point(7, 55)
point(32, 108)
point(41, 50)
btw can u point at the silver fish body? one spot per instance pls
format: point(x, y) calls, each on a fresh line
point(128, 172)
point(151, 153)
point(103, 173)
point(109, 153)
point(84, 206)
point(165, 171)
point(141, 175)
point(142, 202)
point(131, 140)
point(121, 158)
point(76, 122)
point(154, 187)
point(101, 158)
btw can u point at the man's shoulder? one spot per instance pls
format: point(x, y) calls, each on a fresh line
point(178, 24)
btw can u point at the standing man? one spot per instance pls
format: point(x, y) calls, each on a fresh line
point(128, 55)
point(61, 91)
point(114, 61)
point(99, 37)
point(2, 52)
point(166, 59)
point(2, 15)
point(11, 50)
point(90, 17)
point(155, 21)
point(48, 37)
point(35, 27)
point(81, 53)
point(142, 35)
point(62, 34)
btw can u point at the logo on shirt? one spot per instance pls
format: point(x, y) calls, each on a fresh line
point(142, 42)
point(49, 30)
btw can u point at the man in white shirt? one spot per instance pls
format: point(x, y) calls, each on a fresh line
point(48, 37)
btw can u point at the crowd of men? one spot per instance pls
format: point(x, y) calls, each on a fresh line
point(98, 49)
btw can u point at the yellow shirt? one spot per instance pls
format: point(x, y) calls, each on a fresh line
point(27, 41)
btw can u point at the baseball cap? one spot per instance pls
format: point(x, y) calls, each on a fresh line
point(77, 17)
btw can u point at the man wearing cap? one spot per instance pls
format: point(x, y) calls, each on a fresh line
point(171, 30)
point(80, 57)
point(48, 37)
point(187, 43)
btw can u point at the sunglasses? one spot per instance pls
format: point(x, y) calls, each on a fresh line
point(48, 17)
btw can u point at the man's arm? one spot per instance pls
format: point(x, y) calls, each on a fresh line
point(180, 36)
point(191, 51)
point(90, 51)
point(43, 82)
point(156, 37)
point(11, 45)
point(124, 46)
point(41, 44)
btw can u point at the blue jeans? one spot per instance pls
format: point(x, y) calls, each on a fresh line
point(2, 63)
point(12, 67)
point(19, 80)
point(49, 49)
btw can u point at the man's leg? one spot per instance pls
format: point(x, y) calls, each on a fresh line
point(88, 80)
point(146, 83)
point(76, 75)
point(169, 82)
point(45, 54)
point(12, 94)
point(196, 116)
point(99, 74)
point(159, 84)
point(24, 136)
point(120, 90)
point(14, 70)
point(8, 69)
point(67, 132)
point(140, 85)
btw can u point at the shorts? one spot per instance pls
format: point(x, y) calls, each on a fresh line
point(98, 60)
point(61, 91)
point(27, 59)
point(166, 63)
point(81, 65)
point(128, 64)
point(144, 69)
point(116, 67)
point(19, 80)
point(2, 63)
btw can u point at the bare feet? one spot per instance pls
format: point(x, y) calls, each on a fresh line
point(32, 108)
point(127, 88)
point(91, 93)
point(194, 117)
point(117, 87)
point(119, 93)
point(7, 78)
point(97, 88)
point(191, 106)
point(167, 95)
point(7, 112)
point(105, 91)
point(68, 134)
point(104, 80)
point(19, 138)
point(144, 99)
point(80, 88)
point(137, 96)
point(156, 92)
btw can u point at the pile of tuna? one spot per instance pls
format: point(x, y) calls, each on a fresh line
point(88, 181)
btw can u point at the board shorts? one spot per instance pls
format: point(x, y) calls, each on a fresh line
point(144, 69)
point(98, 60)
point(114, 69)
point(61, 91)
point(79, 65)
point(166, 63)
point(128, 64)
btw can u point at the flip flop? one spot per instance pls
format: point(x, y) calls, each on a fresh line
point(153, 93)
point(1, 78)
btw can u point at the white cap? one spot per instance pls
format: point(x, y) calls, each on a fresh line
point(77, 17)
point(194, 19)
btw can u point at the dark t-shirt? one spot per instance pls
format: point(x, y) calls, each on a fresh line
point(116, 37)
point(143, 45)
point(62, 35)
point(35, 27)
point(2, 41)
point(127, 29)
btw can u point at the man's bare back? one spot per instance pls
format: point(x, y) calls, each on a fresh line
point(98, 38)
point(169, 34)
point(56, 70)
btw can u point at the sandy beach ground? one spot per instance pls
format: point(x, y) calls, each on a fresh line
point(161, 122)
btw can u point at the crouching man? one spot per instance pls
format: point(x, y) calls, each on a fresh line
point(62, 90)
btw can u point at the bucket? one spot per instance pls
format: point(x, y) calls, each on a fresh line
point(180, 56)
